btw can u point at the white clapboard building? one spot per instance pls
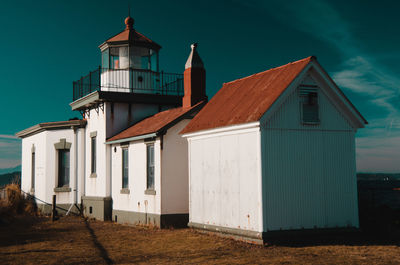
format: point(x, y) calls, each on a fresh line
point(274, 151)
point(125, 160)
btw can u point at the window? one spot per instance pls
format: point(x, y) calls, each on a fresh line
point(125, 168)
point(93, 154)
point(150, 167)
point(33, 171)
point(114, 58)
point(63, 167)
point(105, 59)
point(309, 105)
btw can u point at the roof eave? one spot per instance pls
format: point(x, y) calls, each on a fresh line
point(133, 138)
point(38, 128)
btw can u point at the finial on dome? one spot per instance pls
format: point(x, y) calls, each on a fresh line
point(129, 22)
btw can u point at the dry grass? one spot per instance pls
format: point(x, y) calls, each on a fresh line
point(73, 240)
point(16, 204)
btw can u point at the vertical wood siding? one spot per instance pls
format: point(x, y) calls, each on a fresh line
point(309, 174)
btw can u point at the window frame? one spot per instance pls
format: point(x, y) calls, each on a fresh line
point(63, 180)
point(150, 186)
point(33, 170)
point(125, 165)
point(93, 154)
point(309, 97)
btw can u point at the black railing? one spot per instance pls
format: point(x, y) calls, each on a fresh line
point(128, 81)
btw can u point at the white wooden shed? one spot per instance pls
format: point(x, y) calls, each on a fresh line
point(274, 151)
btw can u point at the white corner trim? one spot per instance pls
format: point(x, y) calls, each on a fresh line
point(226, 129)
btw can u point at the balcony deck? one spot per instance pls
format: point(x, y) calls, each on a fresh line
point(127, 84)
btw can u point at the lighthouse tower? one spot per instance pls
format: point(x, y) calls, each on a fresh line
point(126, 88)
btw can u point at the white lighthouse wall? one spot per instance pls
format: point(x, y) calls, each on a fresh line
point(96, 185)
point(225, 179)
point(107, 121)
point(53, 137)
point(174, 171)
point(122, 115)
point(39, 142)
point(136, 200)
point(46, 165)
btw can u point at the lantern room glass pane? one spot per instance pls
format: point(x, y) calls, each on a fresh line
point(105, 59)
point(153, 61)
point(123, 57)
point(114, 58)
point(140, 58)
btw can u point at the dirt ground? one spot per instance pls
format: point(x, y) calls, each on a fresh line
point(73, 240)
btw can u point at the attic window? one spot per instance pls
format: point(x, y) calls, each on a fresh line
point(309, 105)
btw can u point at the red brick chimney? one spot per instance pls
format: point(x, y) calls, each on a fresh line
point(194, 79)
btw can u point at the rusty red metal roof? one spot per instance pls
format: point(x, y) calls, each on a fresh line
point(158, 122)
point(132, 36)
point(247, 99)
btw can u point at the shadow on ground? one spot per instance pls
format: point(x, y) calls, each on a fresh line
point(102, 251)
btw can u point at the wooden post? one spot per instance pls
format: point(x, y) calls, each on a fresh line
point(53, 210)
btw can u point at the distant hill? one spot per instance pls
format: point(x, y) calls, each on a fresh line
point(10, 178)
point(10, 170)
point(378, 176)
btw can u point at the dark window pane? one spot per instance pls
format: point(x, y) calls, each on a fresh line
point(150, 167)
point(125, 168)
point(114, 55)
point(310, 109)
point(105, 59)
point(33, 171)
point(63, 168)
point(93, 165)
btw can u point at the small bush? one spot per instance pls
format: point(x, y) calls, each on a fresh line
point(16, 202)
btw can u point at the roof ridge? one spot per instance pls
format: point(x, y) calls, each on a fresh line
point(272, 69)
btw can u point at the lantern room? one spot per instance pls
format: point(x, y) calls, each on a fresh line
point(129, 65)
point(130, 49)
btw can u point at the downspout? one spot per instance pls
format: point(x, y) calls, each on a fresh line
point(111, 150)
point(161, 175)
point(75, 129)
point(76, 165)
point(84, 164)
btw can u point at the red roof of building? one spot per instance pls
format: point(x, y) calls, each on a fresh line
point(158, 122)
point(130, 35)
point(246, 99)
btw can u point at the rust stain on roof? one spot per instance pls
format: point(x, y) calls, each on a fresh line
point(247, 99)
point(157, 123)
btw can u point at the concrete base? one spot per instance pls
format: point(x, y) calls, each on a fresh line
point(253, 237)
point(162, 221)
point(97, 207)
point(263, 237)
point(62, 209)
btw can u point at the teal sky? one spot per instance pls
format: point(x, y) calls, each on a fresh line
point(45, 45)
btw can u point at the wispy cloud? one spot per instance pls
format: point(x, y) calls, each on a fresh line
point(362, 73)
point(9, 163)
point(10, 151)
